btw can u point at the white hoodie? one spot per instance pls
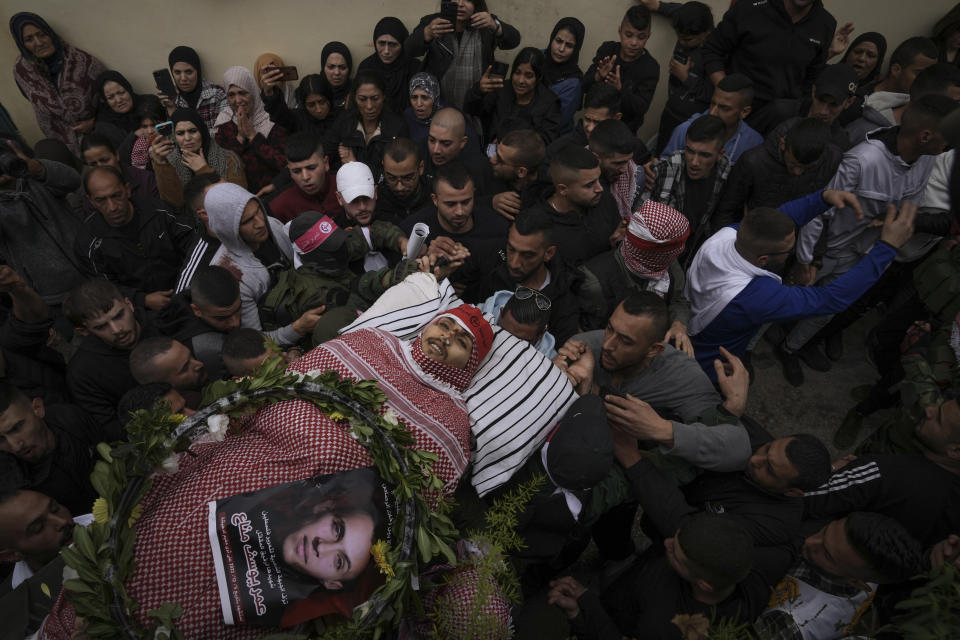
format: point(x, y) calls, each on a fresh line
point(224, 204)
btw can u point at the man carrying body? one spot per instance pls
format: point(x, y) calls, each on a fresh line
point(386, 243)
point(206, 245)
point(455, 213)
point(164, 359)
point(614, 145)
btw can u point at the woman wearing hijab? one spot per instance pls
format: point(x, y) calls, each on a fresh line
point(188, 152)
point(424, 93)
point(364, 129)
point(314, 96)
point(193, 92)
point(337, 64)
point(57, 79)
point(267, 62)
point(118, 106)
point(946, 33)
point(526, 102)
point(561, 70)
point(457, 53)
point(391, 62)
point(865, 55)
point(246, 129)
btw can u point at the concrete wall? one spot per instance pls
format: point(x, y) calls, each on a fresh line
point(135, 37)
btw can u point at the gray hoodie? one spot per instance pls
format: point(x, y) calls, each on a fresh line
point(877, 113)
point(37, 231)
point(224, 204)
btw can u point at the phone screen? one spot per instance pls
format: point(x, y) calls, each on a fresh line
point(499, 69)
point(448, 11)
point(165, 83)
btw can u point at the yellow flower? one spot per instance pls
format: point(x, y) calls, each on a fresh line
point(176, 418)
point(134, 514)
point(693, 627)
point(336, 416)
point(101, 511)
point(379, 553)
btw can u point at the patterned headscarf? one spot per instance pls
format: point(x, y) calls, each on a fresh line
point(427, 82)
point(655, 237)
point(472, 321)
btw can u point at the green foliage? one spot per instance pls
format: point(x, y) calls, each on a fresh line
point(102, 554)
point(932, 612)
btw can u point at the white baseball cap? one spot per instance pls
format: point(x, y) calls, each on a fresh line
point(355, 179)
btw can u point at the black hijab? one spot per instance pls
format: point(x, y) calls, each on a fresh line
point(339, 93)
point(553, 72)
point(188, 55)
point(129, 121)
point(880, 42)
point(396, 75)
point(182, 114)
point(53, 64)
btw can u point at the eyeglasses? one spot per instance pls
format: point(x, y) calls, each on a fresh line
point(525, 293)
point(410, 178)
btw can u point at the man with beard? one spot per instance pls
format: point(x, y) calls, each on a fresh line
point(734, 283)
point(407, 191)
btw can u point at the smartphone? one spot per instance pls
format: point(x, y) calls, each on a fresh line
point(164, 128)
point(164, 83)
point(679, 57)
point(289, 73)
point(448, 11)
point(499, 69)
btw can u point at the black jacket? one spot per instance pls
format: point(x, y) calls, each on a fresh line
point(30, 365)
point(501, 114)
point(760, 179)
point(438, 57)
point(98, 375)
point(579, 237)
point(344, 131)
point(391, 209)
point(63, 475)
point(143, 256)
point(487, 269)
point(638, 79)
point(760, 40)
point(295, 120)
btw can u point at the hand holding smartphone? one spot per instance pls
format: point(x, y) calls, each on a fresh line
point(499, 69)
point(164, 83)
point(448, 11)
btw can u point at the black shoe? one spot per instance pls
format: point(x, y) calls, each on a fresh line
point(846, 434)
point(792, 370)
point(814, 358)
point(833, 346)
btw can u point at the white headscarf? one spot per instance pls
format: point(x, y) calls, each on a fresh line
point(241, 77)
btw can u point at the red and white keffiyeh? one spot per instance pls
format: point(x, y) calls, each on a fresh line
point(287, 441)
point(655, 237)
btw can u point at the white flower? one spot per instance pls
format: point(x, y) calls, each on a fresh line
point(162, 633)
point(217, 425)
point(300, 377)
point(314, 372)
point(69, 573)
point(390, 417)
point(171, 463)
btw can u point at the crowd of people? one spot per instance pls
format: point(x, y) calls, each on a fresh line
point(155, 242)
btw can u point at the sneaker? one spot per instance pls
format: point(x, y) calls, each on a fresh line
point(833, 346)
point(814, 358)
point(846, 434)
point(792, 370)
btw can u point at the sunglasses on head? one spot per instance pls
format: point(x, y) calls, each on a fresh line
point(525, 293)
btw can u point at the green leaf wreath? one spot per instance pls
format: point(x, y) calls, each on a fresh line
point(102, 558)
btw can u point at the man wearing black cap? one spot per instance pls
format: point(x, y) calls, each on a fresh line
point(834, 90)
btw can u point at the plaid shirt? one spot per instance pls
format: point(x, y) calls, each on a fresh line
point(213, 99)
point(669, 186)
point(778, 624)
